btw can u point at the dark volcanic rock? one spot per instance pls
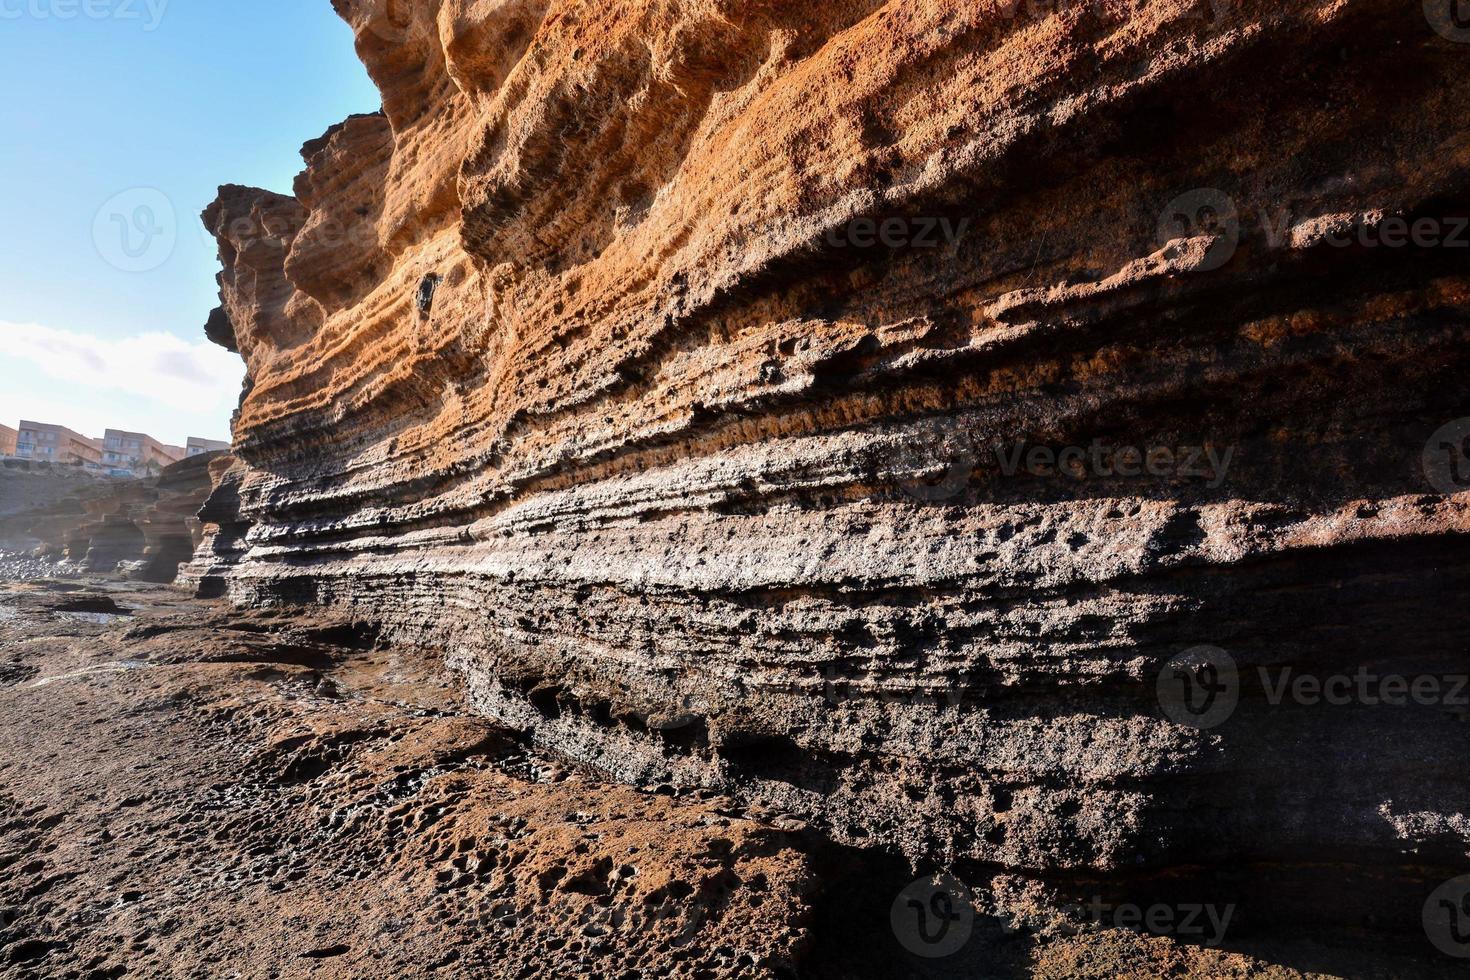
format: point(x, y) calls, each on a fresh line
point(204, 811)
point(858, 407)
point(220, 529)
point(229, 793)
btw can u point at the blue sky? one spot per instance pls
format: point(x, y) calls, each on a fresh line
point(118, 121)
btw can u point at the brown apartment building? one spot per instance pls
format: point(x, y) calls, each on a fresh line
point(136, 452)
point(56, 444)
point(7, 440)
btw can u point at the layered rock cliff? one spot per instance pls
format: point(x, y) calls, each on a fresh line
point(858, 407)
point(139, 528)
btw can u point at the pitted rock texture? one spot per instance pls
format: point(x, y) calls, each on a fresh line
point(190, 793)
point(579, 363)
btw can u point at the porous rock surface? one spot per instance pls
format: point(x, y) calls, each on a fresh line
point(571, 363)
point(187, 790)
point(189, 793)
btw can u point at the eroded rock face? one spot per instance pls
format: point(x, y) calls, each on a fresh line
point(37, 503)
point(695, 376)
point(219, 531)
point(143, 529)
point(170, 526)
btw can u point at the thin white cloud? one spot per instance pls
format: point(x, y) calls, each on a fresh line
point(155, 382)
point(158, 367)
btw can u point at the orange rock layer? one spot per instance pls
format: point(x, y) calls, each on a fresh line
point(856, 406)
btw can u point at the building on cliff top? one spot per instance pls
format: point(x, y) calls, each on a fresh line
point(136, 453)
point(7, 440)
point(198, 447)
point(56, 444)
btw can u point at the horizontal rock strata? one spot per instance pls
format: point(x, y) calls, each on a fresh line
point(143, 529)
point(700, 378)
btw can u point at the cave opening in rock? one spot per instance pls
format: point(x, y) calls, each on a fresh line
point(424, 301)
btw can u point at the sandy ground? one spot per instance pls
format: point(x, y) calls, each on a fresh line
point(187, 791)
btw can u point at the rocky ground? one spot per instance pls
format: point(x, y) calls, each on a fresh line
point(187, 791)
